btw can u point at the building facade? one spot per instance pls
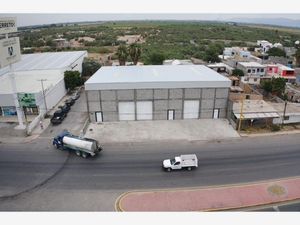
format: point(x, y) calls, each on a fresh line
point(40, 76)
point(156, 93)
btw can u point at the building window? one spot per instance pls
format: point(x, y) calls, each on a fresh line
point(9, 110)
point(255, 79)
point(249, 71)
point(247, 96)
point(286, 117)
point(253, 70)
point(262, 70)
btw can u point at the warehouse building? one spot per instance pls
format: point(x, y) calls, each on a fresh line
point(163, 92)
point(34, 73)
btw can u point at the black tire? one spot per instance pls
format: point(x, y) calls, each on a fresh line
point(84, 155)
point(189, 168)
point(169, 169)
point(56, 146)
point(78, 153)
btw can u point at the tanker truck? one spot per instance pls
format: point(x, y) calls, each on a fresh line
point(82, 146)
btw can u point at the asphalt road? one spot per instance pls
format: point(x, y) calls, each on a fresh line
point(94, 184)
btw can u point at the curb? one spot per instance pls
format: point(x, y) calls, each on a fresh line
point(270, 134)
point(119, 208)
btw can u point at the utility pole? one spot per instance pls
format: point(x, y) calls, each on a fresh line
point(42, 80)
point(284, 111)
point(241, 115)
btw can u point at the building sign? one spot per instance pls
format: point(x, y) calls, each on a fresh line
point(9, 51)
point(8, 25)
point(26, 100)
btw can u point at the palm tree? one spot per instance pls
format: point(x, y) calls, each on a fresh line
point(122, 54)
point(135, 52)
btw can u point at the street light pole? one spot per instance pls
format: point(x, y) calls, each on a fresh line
point(284, 111)
point(241, 115)
point(42, 80)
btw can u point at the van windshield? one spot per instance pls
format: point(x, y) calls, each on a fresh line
point(172, 161)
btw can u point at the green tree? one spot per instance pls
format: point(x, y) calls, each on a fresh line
point(278, 86)
point(211, 54)
point(275, 85)
point(297, 56)
point(72, 79)
point(267, 86)
point(155, 58)
point(238, 72)
point(135, 51)
point(89, 67)
point(276, 52)
point(122, 54)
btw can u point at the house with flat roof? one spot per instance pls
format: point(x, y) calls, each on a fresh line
point(160, 92)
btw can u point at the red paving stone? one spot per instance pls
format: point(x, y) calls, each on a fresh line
point(215, 198)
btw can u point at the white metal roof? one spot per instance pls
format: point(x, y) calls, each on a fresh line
point(45, 61)
point(30, 82)
point(158, 76)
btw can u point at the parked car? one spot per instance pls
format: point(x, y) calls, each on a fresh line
point(58, 117)
point(70, 102)
point(76, 95)
point(181, 162)
point(65, 108)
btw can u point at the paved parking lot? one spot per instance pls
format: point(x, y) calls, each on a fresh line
point(73, 122)
point(143, 131)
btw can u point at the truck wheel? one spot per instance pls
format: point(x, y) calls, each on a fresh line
point(189, 168)
point(78, 153)
point(169, 169)
point(56, 146)
point(84, 155)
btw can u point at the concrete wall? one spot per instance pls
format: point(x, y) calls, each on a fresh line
point(290, 120)
point(163, 100)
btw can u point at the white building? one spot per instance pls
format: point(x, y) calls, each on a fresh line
point(29, 72)
point(264, 45)
point(253, 71)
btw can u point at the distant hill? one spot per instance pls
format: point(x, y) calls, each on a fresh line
point(269, 21)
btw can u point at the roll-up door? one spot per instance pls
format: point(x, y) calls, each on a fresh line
point(191, 109)
point(126, 111)
point(144, 110)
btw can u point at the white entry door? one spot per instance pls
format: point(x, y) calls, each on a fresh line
point(144, 110)
point(216, 113)
point(171, 114)
point(191, 109)
point(99, 117)
point(126, 111)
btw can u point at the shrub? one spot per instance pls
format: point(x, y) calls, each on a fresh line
point(275, 128)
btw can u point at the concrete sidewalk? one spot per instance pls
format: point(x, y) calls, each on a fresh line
point(144, 131)
point(210, 199)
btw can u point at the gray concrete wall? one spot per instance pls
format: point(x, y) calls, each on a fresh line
point(163, 99)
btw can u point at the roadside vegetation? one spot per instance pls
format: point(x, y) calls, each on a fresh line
point(166, 39)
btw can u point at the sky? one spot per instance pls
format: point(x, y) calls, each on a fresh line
point(26, 19)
